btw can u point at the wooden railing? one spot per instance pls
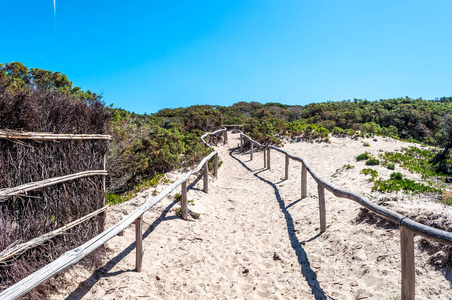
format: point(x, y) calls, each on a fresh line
point(407, 226)
point(73, 256)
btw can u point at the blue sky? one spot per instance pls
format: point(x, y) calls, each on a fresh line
point(147, 55)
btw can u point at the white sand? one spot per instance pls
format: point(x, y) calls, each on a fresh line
point(256, 239)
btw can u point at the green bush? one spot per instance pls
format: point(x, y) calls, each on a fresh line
point(363, 156)
point(390, 166)
point(396, 176)
point(372, 162)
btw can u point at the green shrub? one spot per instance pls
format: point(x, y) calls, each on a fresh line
point(363, 156)
point(396, 176)
point(390, 166)
point(348, 166)
point(373, 173)
point(407, 185)
point(372, 162)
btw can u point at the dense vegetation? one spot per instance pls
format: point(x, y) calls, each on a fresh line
point(146, 145)
point(42, 101)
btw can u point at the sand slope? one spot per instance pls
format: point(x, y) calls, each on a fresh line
point(256, 239)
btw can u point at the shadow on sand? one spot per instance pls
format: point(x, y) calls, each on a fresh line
point(104, 272)
point(308, 273)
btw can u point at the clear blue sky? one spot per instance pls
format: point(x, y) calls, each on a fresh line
point(146, 55)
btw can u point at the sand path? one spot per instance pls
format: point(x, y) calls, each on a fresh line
point(256, 239)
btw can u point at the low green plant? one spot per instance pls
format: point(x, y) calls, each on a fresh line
point(390, 166)
point(396, 176)
point(178, 197)
point(145, 184)
point(407, 185)
point(363, 156)
point(372, 162)
point(373, 173)
point(348, 166)
point(366, 145)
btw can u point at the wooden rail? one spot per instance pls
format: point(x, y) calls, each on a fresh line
point(73, 256)
point(12, 134)
point(407, 226)
point(15, 250)
point(24, 188)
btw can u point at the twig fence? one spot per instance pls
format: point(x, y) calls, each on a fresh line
point(407, 226)
point(5, 193)
point(73, 256)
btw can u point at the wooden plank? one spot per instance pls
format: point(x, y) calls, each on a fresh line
point(215, 166)
point(183, 204)
point(12, 134)
point(206, 178)
point(139, 243)
point(24, 188)
point(16, 250)
point(304, 179)
point(322, 211)
point(251, 151)
point(287, 168)
point(408, 264)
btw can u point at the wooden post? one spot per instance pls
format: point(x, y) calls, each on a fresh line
point(183, 203)
point(251, 152)
point(225, 138)
point(304, 186)
point(206, 178)
point(287, 167)
point(139, 243)
point(321, 190)
point(103, 177)
point(408, 267)
point(268, 158)
point(215, 166)
point(265, 157)
point(241, 143)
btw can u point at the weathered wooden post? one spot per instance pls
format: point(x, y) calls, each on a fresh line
point(251, 152)
point(287, 167)
point(265, 157)
point(408, 266)
point(241, 143)
point(225, 138)
point(103, 177)
point(215, 166)
point(304, 186)
point(139, 243)
point(321, 190)
point(268, 158)
point(183, 201)
point(206, 177)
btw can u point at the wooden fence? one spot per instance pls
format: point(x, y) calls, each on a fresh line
point(407, 226)
point(73, 256)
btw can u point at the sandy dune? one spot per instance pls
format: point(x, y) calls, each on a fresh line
point(256, 239)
